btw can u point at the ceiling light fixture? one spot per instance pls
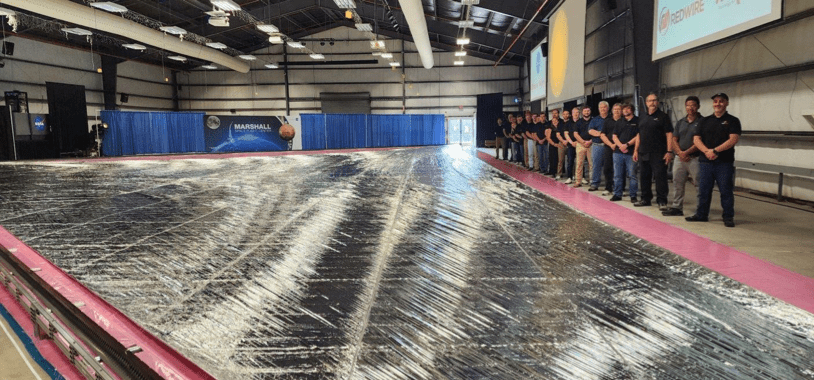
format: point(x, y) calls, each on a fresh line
point(277, 40)
point(268, 28)
point(466, 23)
point(177, 58)
point(470, 2)
point(209, 67)
point(109, 6)
point(377, 53)
point(458, 63)
point(173, 30)
point(216, 45)
point(387, 55)
point(364, 27)
point(77, 31)
point(463, 41)
point(460, 53)
point(345, 4)
point(295, 44)
point(272, 65)
point(226, 5)
point(248, 57)
point(7, 12)
point(220, 21)
point(317, 56)
point(395, 64)
point(134, 46)
point(376, 44)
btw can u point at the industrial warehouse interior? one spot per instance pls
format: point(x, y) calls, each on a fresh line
point(393, 189)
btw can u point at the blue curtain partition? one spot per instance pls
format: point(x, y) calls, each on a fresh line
point(132, 133)
point(338, 131)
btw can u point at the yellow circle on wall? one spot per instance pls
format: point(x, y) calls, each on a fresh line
point(558, 53)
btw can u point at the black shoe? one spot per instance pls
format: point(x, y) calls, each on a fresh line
point(696, 218)
point(634, 200)
point(615, 199)
point(593, 188)
point(640, 204)
point(729, 222)
point(672, 212)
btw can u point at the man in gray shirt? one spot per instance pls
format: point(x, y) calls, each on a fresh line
point(686, 153)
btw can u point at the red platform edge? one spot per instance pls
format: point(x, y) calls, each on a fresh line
point(156, 354)
point(776, 281)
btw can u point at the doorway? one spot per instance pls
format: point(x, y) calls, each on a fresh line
point(461, 130)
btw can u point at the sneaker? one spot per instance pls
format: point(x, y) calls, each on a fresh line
point(584, 181)
point(593, 188)
point(569, 181)
point(557, 178)
point(729, 223)
point(696, 218)
point(615, 199)
point(634, 200)
point(672, 212)
point(641, 204)
point(662, 206)
point(606, 193)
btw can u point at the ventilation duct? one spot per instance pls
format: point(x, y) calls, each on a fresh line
point(114, 24)
point(414, 14)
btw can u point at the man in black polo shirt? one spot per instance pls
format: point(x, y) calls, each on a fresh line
point(518, 133)
point(506, 131)
point(686, 162)
point(584, 141)
point(625, 137)
point(607, 137)
point(655, 153)
point(554, 144)
point(716, 138)
point(540, 127)
point(562, 136)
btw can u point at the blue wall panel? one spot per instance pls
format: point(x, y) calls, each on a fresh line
point(132, 133)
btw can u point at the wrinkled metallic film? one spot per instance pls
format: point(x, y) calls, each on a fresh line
point(404, 264)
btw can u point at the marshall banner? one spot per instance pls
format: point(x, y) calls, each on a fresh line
point(243, 134)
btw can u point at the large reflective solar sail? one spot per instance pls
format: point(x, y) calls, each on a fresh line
point(418, 263)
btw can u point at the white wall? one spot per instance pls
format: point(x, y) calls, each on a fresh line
point(442, 89)
point(769, 103)
point(34, 63)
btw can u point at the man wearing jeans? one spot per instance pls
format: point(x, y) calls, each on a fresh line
point(716, 138)
point(598, 146)
point(625, 156)
point(686, 162)
point(542, 145)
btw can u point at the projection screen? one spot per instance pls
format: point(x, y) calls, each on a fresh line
point(685, 24)
point(537, 74)
point(566, 52)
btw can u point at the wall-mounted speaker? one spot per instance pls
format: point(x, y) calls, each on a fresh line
point(124, 98)
point(8, 48)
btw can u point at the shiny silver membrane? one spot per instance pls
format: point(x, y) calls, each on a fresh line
point(404, 264)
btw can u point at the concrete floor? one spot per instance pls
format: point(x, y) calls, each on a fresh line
point(778, 232)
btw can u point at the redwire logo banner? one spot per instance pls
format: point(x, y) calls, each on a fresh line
point(669, 18)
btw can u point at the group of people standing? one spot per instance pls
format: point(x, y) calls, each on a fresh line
point(632, 151)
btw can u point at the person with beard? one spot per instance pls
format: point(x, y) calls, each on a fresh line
point(654, 146)
point(582, 135)
point(610, 147)
point(562, 136)
point(598, 146)
point(686, 162)
point(625, 156)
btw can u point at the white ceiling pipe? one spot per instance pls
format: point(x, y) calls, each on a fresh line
point(414, 13)
point(82, 15)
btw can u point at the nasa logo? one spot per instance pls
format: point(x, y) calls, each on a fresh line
point(39, 123)
point(664, 21)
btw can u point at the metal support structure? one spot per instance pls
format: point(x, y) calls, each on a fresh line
point(285, 74)
point(780, 188)
point(109, 81)
point(176, 104)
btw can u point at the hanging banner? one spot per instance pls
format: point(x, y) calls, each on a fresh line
point(245, 134)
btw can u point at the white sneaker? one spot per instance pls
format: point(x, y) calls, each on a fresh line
point(569, 181)
point(557, 178)
point(584, 181)
point(605, 193)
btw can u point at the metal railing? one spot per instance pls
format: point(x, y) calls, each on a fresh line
point(780, 169)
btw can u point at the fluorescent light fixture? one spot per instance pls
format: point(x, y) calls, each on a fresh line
point(364, 27)
point(395, 64)
point(225, 5)
point(463, 41)
point(173, 30)
point(277, 40)
point(460, 54)
point(209, 67)
point(387, 55)
point(7, 12)
point(217, 13)
point(110, 7)
point(272, 65)
point(220, 21)
point(295, 44)
point(317, 56)
point(345, 4)
point(470, 2)
point(458, 63)
point(177, 58)
point(268, 28)
point(248, 57)
point(78, 31)
point(134, 46)
point(376, 44)
point(216, 45)
point(466, 24)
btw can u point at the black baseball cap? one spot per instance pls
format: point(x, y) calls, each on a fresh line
point(721, 94)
